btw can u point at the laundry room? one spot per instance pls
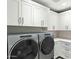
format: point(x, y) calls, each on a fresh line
point(39, 29)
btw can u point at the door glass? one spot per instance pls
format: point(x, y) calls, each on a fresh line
point(26, 49)
point(47, 45)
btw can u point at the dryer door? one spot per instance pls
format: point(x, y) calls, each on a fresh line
point(25, 49)
point(47, 45)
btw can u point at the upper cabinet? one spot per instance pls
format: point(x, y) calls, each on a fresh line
point(59, 21)
point(27, 13)
point(13, 12)
point(40, 15)
point(30, 13)
point(53, 21)
point(65, 20)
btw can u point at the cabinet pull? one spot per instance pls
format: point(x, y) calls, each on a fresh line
point(53, 27)
point(22, 20)
point(66, 27)
point(19, 20)
point(42, 22)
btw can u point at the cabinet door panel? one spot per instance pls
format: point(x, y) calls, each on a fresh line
point(37, 17)
point(53, 21)
point(12, 12)
point(65, 20)
point(27, 14)
point(40, 16)
point(45, 16)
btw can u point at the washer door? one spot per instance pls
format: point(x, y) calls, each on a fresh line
point(47, 45)
point(25, 49)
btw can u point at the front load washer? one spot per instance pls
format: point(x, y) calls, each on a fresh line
point(46, 45)
point(23, 46)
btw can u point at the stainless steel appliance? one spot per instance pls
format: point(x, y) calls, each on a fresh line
point(23, 46)
point(46, 41)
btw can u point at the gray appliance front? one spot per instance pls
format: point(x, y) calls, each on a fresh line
point(46, 46)
point(23, 46)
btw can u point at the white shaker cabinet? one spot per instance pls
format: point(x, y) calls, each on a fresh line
point(19, 13)
point(65, 20)
point(53, 21)
point(13, 12)
point(27, 14)
point(34, 14)
point(59, 21)
point(40, 16)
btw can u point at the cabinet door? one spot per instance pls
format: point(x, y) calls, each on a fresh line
point(12, 12)
point(36, 16)
point(44, 16)
point(40, 16)
point(27, 16)
point(53, 21)
point(65, 21)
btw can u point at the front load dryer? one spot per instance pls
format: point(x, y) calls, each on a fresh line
point(23, 46)
point(46, 41)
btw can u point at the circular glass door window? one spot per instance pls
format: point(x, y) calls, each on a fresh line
point(47, 45)
point(26, 49)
